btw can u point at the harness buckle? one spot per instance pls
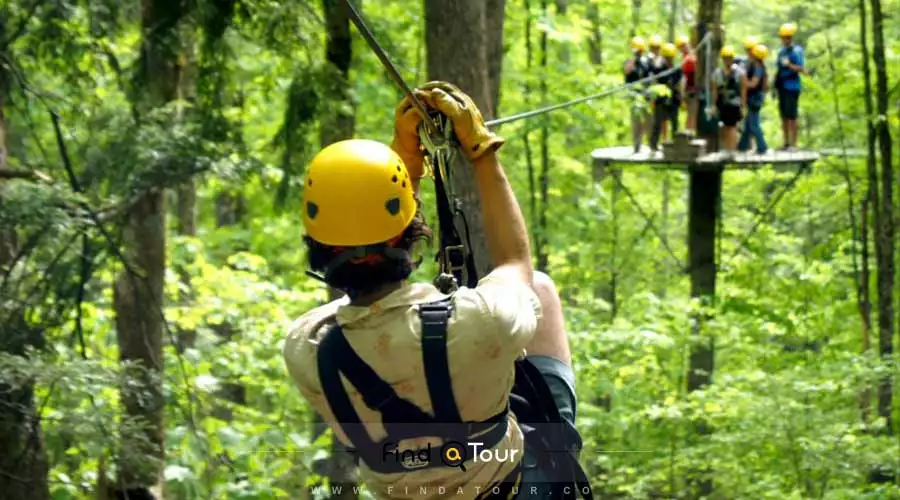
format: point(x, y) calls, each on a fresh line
point(448, 263)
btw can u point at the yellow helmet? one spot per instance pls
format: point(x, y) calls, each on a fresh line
point(727, 51)
point(669, 51)
point(638, 43)
point(750, 42)
point(357, 193)
point(787, 29)
point(682, 40)
point(656, 41)
point(760, 52)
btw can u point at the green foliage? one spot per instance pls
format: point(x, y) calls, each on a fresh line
point(784, 408)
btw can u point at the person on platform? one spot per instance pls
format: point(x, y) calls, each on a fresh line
point(746, 60)
point(757, 85)
point(637, 68)
point(689, 70)
point(655, 44)
point(667, 95)
point(790, 66)
point(730, 97)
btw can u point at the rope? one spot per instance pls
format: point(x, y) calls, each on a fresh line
point(605, 93)
point(649, 221)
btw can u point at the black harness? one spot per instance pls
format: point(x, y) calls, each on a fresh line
point(402, 419)
point(555, 447)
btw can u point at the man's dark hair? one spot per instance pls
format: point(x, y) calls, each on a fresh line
point(359, 278)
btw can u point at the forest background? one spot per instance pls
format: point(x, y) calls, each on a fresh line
point(151, 154)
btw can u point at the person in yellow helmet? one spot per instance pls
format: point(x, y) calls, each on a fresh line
point(790, 66)
point(730, 97)
point(757, 86)
point(691, 90)
point(637, 68)
point(668, 98)
point(427, 367)
point(655, 44)
point(746, 59)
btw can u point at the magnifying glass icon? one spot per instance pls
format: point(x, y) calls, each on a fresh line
point(453, 454)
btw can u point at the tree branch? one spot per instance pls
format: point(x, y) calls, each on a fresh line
point(22, 173)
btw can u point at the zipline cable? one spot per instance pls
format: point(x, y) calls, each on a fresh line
point(605, 93)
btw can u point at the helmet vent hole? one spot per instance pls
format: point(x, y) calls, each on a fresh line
point(312, 209)
point(309, 182)
point(398, 168)
point(394, 179)
point(403, 184)
point(393, 206)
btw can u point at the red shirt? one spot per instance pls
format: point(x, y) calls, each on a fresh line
point(689, 67)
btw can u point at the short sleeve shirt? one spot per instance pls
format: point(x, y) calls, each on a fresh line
point(689, 68)
point(789, 79)
point(489, 328)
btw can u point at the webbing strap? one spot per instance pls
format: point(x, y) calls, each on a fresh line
point(455, 252)
point(338, 399)
point(435, 318)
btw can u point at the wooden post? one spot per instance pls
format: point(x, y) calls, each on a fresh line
point(705, 194)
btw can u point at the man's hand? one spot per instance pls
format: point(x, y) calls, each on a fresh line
point(468, 124)
point(407, 119)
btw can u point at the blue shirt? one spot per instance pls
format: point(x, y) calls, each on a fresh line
point(789, 79)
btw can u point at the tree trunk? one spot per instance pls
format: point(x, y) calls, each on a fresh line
point(540, 248)
point(138, 291)
point(884, 248)
point(865, 306)
point(457, 42)
point(595, 42)
point(495, 14)
point(23, 461)
point(635, 17)
point(186, 193)
point(667, 184)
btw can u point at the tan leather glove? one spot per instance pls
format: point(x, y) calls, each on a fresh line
point(468, 123)
point(407, 118)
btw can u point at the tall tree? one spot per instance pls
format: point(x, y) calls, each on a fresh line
point(495, 14)
point(458, 41)
point(138, 290)
point(595, 42)
point(871, 200)
point(884, 247)
point(540, 244)
point(23, 462)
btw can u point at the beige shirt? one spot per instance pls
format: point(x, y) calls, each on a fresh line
point(488, 330)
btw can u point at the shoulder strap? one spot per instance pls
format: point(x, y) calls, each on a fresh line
point(336, 356)
point(331, 349)
point(435, 318)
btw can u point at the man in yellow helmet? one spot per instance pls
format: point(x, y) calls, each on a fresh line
point(637, 68)
point(655, 44)
point(431, 373)
point(691, 90)
point(668, 90)
point(730, 97)
point(757, 86)
point(747, 58)
point(790, 66)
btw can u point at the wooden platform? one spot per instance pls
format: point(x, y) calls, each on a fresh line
point(685, 153)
